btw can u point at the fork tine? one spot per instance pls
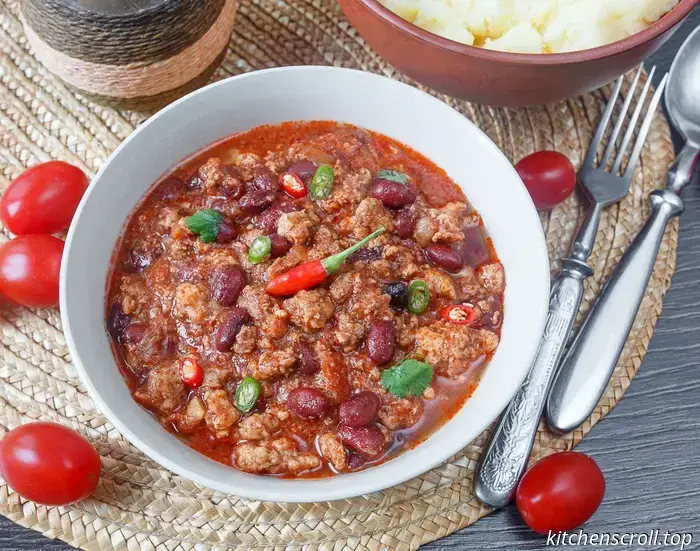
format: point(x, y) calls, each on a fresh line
point(633, 124)
point(646, 125)
point(600, 132)
point(621, 118)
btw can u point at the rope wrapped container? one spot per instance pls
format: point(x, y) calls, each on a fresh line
point(131, 52)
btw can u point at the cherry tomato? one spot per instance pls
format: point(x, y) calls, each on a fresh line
point(549, 176)
point(560, 492)
point(292, 184)
point(29, 270)
point(460, 314)
point(190, 373)
point(49, 464)
point(43, 198)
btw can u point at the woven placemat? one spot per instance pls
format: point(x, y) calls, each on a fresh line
point(140, 505)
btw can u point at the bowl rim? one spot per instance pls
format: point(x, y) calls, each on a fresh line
point(653, 31)
point(357, 483)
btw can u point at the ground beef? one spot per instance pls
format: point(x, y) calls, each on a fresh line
point(310, 310)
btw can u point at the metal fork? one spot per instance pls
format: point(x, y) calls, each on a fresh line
point(506, 455)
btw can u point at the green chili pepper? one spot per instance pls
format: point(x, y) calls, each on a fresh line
point(322, 182)
point(259, 249)
point(247, 394)
point(418, 296)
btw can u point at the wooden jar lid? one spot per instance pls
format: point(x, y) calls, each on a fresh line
point(130, 52)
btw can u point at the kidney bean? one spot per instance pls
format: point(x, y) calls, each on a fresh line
point(229, 327)
point(381, 341)
point(226, 284)
point(355, 461)
point(307, 403)
point(365, 254)
point(305, 169)
point(267, 221)
point(134, 333)
point(172, 188)
point(394, 194)
point(367, 441)
point(360, 409)
point(117, 321)
point(474, 249)
point(308, 361)
point(140, 259)
point(280, 245)
point(232, 185)
point(194, 182)
point(444, 256)
point(264, 180)
point(227, 233)
point(255, 202)
point(404, 224)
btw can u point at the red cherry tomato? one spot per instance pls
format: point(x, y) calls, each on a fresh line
point(460, 314)
point(190, 373)
point(549, 176)
point(43, 198)
point(560, 492)
point(292, 184)
point(29, 270)
point(49, 464)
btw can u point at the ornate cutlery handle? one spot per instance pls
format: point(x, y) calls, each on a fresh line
point(592, 357)
point(508, 451)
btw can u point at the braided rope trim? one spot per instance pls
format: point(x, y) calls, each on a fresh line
point(148, 35)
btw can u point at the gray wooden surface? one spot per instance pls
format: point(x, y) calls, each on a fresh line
point(648, 447)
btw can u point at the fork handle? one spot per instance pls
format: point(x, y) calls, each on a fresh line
point(591, 359)
point(508, 451)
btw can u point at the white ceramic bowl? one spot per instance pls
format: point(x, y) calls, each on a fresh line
point(304, 93)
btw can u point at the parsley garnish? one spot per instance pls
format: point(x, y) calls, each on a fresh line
point(408, 377)
point(205, 224)
point(392, 176)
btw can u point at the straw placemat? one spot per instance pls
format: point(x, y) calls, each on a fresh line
point(140, 505)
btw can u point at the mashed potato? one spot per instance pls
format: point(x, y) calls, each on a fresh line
point(532, 26)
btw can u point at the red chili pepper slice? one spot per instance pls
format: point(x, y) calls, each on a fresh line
point(460, 314)
point(311, 274)
point(292, 184)
point(190, 373)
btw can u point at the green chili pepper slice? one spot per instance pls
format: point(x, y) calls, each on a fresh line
point(418, 297)
point(247, 394)
point(259, 249)
point(322, 182)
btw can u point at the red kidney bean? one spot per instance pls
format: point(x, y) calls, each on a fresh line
point(360, 409)
point(117, 321)
point(226, 284)
point(404, 224)
point(134, 333)
point(355, 461)
point(172, 188)
point(365, 254)
point(267, 221)
point(232, 184)
point(474, 249)
point(393, 194)
point(367, 441)
point(280, 245)
point(194, 182)
point(381, 341)
point(308, 360)
point(140, 259)
point(229, 327)
point(305, 169)
point(264, 180)
point(307, 403)
point(444, 256)
point(227, 233)
point(255, 202)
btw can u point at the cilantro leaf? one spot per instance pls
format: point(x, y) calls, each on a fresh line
point(205, 224)
point(408, 377)
point(392, 176)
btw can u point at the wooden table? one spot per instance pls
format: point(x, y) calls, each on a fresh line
point(648, 447)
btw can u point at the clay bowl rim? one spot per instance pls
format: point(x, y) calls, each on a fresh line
point(653, 31)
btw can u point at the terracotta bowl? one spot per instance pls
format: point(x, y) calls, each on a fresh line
point(501, 78)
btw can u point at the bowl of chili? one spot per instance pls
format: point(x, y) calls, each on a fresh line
point(101, 267)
